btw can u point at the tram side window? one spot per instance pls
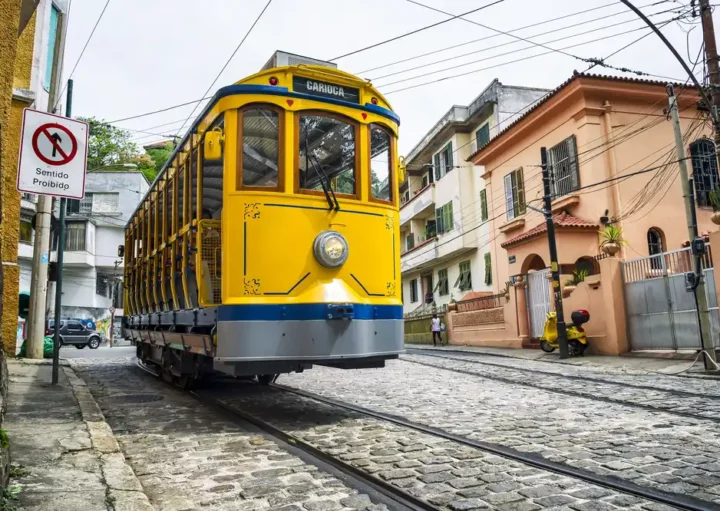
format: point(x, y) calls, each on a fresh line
point(380, 164)
point(180, 208)
point(261, 147)
point(327, 154)
point(212, 180)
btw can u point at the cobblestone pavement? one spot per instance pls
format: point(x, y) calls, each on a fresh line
point(445, 474)
point(651, 380)
point(187, 456)
point(653, 449)
point(672, 400)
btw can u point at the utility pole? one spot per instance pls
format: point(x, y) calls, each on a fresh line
point(701, 292)
point(41, 246)
point(60, 257)
point(711, 58)
point(554, 266)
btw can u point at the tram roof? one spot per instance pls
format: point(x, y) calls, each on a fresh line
point(229, 90)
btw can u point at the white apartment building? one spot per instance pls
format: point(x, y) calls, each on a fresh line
point(95, 228)
point(443, 216)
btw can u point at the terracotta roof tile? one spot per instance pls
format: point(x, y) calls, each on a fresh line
point(560, 87)
point(561, 221)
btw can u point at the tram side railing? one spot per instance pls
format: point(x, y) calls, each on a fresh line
point(209, 241)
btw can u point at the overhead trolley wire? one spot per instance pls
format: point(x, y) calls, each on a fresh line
point(509, 43)
point(227, 62)
point(612, 4)
point(418, 30)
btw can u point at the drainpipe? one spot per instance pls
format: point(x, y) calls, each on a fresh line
point(614, 195)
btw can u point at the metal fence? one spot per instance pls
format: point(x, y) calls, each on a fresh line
point(426, 310)
point(482, 303)
point(661, 312)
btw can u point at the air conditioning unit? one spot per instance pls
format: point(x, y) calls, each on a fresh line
point(281, 58)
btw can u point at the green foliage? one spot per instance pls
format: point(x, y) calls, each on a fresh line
point(4, 440)
point(714, 197)
point(578, 276)
point(9, 495)
point(18, 471)
point(612, 234)
point(109, 145)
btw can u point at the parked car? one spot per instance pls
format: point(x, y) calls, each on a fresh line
point(73, 332)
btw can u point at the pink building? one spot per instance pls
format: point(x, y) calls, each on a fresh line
point(595, 128)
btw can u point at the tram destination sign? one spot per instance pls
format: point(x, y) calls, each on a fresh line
point(325, 89)
point(53, 155)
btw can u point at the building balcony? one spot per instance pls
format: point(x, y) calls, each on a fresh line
point(421, 203)
point(25, 250)
point(75, 259)
point(436, 250)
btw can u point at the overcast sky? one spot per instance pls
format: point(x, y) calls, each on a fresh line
point(151, 54)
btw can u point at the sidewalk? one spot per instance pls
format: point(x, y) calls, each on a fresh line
point(667, 363)
point(64, 455)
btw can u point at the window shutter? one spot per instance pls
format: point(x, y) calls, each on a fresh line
point(488, 269)
point(573, 162)
point(509, 197)
point(448, 158)
point(439, 220)
point(436, 166)
point(449, 223)
point(483, 205)
point(520, 181)
point(482, 136)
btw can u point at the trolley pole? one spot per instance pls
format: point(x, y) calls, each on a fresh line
point(554, 266)
point(700, 291)
point(60, 257)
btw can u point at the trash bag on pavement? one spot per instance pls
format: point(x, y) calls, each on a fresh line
point(47, 348)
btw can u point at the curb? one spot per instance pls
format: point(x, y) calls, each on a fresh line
point(124, 491)
point(597, 367)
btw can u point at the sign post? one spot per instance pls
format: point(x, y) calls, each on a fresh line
point(52, 161)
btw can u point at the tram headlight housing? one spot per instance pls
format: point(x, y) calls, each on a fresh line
point(331, 249)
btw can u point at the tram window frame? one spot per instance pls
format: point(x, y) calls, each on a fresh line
point(180, 203)
point(281, 113)
point(296, 159)
point(391, 160)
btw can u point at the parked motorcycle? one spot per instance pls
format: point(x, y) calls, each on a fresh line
point(577, 339)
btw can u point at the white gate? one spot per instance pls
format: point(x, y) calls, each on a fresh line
point(538, 302)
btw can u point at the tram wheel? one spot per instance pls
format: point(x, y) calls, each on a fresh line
point(265, 379)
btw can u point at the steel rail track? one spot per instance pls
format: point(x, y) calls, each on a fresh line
point(573, 393)
point(463, 355)
point(615, 483)
point(393, 497)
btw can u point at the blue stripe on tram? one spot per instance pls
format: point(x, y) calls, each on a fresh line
point(303, 311)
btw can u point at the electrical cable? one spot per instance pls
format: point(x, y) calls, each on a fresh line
point(412, 32)
point(227, 62)
point(523, 59)
point(454, 57)
point(612, 4)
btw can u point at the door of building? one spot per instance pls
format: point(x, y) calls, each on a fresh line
point(538, 302)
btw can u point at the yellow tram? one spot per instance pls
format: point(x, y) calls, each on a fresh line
point(269, 242)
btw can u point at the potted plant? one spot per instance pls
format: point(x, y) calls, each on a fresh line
point(571, 284)
point(714, 197)
point(612, 239)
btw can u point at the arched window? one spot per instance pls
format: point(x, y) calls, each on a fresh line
point(655, 248)
point(705, 170)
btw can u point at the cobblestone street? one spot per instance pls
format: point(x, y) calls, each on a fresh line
point(648, 431)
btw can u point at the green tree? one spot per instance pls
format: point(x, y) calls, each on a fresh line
point(108, 145)
point(160, 155)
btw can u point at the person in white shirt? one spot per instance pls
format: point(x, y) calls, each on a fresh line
point(436, 329)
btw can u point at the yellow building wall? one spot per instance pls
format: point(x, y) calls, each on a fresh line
point(15, 67)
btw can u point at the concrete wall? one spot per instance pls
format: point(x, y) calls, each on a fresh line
point(15, 70)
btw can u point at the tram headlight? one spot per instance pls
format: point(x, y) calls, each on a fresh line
point(331, 249)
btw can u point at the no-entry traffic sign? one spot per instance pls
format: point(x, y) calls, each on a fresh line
point(53, 155)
